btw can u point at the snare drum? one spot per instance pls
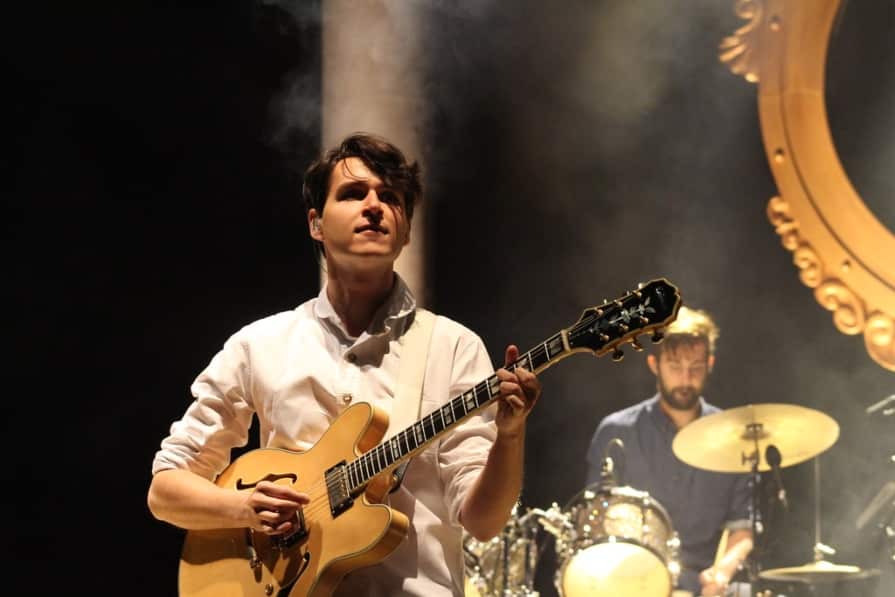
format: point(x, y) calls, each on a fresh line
point(621, 543)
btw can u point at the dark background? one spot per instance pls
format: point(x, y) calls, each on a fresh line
point(154, 163)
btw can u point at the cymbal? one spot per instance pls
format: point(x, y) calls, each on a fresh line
point(724, 441)
point(818, 572)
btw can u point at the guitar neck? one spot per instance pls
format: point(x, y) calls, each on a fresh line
point(407, 443)
point(599, 330)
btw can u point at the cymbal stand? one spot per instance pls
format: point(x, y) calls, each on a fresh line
point(820, 549)
point(754, 431)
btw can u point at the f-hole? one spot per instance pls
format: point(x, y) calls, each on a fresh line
point(271, 477)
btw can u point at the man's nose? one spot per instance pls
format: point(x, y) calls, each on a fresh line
point(372, 202)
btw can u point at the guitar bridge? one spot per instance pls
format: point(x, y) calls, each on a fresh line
point(337, 489)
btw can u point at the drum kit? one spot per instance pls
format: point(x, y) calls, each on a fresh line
point(618, 541)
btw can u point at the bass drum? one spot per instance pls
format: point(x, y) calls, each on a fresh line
point(621, 543)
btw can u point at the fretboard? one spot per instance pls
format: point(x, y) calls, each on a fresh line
point(405, 444)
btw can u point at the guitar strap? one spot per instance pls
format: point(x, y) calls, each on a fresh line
point(411, 376)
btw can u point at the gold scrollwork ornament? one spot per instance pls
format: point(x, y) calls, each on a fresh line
point(841, 249)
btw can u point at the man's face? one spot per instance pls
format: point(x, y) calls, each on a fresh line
point(362, 217)
point(681, 374)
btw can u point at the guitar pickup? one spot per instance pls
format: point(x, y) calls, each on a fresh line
point(337, 489)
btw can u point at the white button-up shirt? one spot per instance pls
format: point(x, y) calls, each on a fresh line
point(297, 371)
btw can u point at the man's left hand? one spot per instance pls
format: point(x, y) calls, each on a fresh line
point(519, 391)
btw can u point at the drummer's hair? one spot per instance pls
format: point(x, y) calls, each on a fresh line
point(692, 326)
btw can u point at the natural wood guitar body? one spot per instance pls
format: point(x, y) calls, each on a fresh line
point(244, 563)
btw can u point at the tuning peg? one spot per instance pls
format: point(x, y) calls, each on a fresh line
point(635, 344)
point(617, 354)
point(657, 337)
point(623, 328)
point(604, 337)
point(640, 285)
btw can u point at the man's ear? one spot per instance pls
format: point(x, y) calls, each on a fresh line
point(653, 363)
point(711, 362)
point(314, 227)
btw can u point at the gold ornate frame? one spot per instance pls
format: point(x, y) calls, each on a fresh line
point(841, 249)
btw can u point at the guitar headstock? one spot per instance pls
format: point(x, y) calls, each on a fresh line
point(604, 328)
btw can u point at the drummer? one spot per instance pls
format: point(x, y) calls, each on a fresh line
point(700, 503)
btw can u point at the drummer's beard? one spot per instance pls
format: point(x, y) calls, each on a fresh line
point(680, 397)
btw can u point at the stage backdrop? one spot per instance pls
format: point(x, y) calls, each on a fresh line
point(572, 151)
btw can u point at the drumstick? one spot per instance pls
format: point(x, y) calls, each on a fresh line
point(722, 548)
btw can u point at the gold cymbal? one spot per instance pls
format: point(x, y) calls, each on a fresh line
point(725, 441)
point(818, 572)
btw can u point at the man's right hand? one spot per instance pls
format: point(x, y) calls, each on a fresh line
point(271, 508)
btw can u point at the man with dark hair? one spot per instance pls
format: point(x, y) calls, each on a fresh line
point(700, 503)
point(298, 370)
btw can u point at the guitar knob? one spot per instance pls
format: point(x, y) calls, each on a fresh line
point(617, 354)
point(657, 337)
point(635, 344)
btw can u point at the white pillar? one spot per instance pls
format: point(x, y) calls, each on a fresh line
point(371, 75)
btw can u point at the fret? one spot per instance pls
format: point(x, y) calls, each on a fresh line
point(443, 423)
point(351, 478)
point(546, 351)
point(469, 401)
point(447, 420)
point(417, 432)
point(378, 464)
point(493, 387)
point(453, 403)
point(395, 445)
point(433, 427)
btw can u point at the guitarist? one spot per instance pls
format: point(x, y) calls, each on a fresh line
point(298, 370)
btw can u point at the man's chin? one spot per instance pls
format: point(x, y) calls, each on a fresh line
point(678, 402)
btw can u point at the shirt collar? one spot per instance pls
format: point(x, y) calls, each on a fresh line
point(398, 306)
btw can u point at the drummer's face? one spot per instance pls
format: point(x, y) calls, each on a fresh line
point(681, 373)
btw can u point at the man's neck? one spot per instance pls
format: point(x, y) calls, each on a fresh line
point(680, 418)
point(356, 296)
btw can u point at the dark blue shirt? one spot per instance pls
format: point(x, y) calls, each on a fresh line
point(700, 503)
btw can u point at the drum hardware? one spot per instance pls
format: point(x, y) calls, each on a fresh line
point(505, 565)
point(882, 405)
point(820, 570)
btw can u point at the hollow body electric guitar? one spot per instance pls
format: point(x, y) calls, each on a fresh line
point(348, 472)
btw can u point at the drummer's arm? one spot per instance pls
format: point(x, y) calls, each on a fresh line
point(714, 579)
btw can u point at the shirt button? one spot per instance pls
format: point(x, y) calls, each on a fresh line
point(346, 398)
point(351, 357)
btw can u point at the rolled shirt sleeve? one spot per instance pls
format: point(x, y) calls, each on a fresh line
point(217, 420)
point(462, 454)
